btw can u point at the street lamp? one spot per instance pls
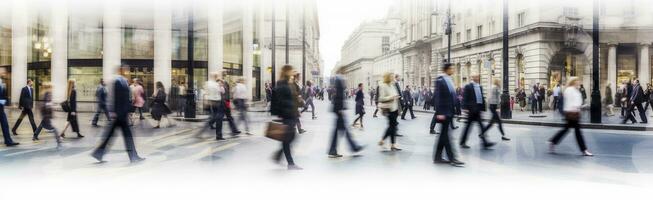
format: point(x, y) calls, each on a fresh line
point(190, 92)
point(506, 113)
point(595, 108)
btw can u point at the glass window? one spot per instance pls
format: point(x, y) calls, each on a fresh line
point(84, 37)
point(137, 43)
point(41, 44)
point(87, 79)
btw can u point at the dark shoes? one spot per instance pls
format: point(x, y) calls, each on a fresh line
point(302, 131)
point(136, 160)
point(12, 144)
point(457, 163)
point(504, 138)
point(294, 167)
point(395, 149)
point(220, 139)
point(335, 155)
point(432, 132)
point(464, 146)
point(488, 145)
point(98, 156)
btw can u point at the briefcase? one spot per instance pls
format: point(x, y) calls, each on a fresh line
point(276, 131)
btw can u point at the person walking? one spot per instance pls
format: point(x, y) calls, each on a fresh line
point(240, 101)
point(388, 102)
point(521, 98)
point(4, 124)
point(300, 100)
point(474, 103)
point(635, 100)
point(338, 108)
point(376, 100)
point(608, 101)
point(541, 99)
point(215, 95)
point(444, 101)
point(181, 99)
point(72, 113)
point(408, 103)
point(556, 97)
point(46, 115)
point(138, 98)
point(535, 96)
point(159, 108)
point(101, 98)
point(648, 97)
point(360, 105)
point(582, 92)
point(494, 101)
point(25, 104)
point(284, 106)
point(227, 104)
point(573, 100)
point(120, 109)
point(309, 95)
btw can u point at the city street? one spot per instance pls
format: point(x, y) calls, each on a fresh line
point(622, 158)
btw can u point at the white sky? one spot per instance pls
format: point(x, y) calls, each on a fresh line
point(338, 18)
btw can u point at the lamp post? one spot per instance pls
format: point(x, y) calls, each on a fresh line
point(287, 31)
point(273, 45)
point(595, 108)
point(506, 113)
point(304, 43)
point(190, 92)
point(448, 31)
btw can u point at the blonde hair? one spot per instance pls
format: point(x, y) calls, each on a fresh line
point(71, 85)
point(572, 80)
point(387, 77)
point(496, 82)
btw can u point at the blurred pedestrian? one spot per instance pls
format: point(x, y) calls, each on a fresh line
point(46, 114)
point(535, 98)
point(389, 105)
point(300, 100)
point(227, 104)
point(582, 92)
point(309, 95)
point(284, 105)
point(360, 106)
point(573, 100)
point(120, 109)
point(636, 99)
point(494, 101)
point(72, 113)
point(474, 103)
point(376, 100)
point(608, 102)
point(521, 98)
point(25, 104)
point(159, 108)
point(240, 101)
point(101, 98)
point(444, 101)
point(3, 117)
point(338, 108)
point(408, 103)
point(138, 98)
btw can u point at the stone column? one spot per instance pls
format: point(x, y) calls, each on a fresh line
point(248, 37)
point(612, 67)
point(20, 39)
point(59, 35)
point(111, 40)
point(163, 43)
point(644, 73)
point(264, 56)
point(215, 29)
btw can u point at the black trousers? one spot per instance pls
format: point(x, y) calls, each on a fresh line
point(46, 123)
point(434, 121)
point(123, 123)
point(539, 104)
point(360, 117)
point(286, 144)
point(534, 106)
point(100, 109)
point(496, 118)
point(571, 123)
point(341, 128)
point(473, 116)
point(555, 102)
point(217, 116)
point(309, 102)
point(406, 109)
point(73, 122)
point(30, 116)
point(392, 126)
point(631, 110)
point(444, 142)
point(4, 124)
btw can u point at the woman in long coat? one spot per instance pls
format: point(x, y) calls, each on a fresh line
point(159, 107)
point(360, 102)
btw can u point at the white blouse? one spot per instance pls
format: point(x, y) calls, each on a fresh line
point(573, 100)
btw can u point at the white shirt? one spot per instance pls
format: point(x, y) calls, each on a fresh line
point(240, 91)
point(214, 91)
point(573, 100)
point(388, 92)
point(556, 91)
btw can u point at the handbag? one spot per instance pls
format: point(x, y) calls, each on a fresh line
point(65, 106)
point(276, 131)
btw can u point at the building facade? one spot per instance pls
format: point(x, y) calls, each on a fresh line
point(53, 41)
point(549, 41)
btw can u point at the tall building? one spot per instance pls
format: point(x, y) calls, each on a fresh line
point(86, 40)
point(549, 41)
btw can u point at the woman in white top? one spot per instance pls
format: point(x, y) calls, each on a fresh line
point(572, 102)
point(388, 98)
point(240, 100)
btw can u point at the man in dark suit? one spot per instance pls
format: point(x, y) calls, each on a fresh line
point(338, 107)
point(25, 104)
point(474, 103)
point(444, 101)
point(408, 103)
point(101, 97)
point(3, 117)
point(120, 110)
point(535, 95)
point(636, 99)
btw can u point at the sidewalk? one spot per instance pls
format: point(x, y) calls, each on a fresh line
point(554, 119)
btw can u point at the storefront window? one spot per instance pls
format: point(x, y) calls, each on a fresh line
point(5, 55)
point(137, 43)
point(84, 37)
point(87, 78)
point(626, 63)
point(41, 44)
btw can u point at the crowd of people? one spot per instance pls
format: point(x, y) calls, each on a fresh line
point(288, 98)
